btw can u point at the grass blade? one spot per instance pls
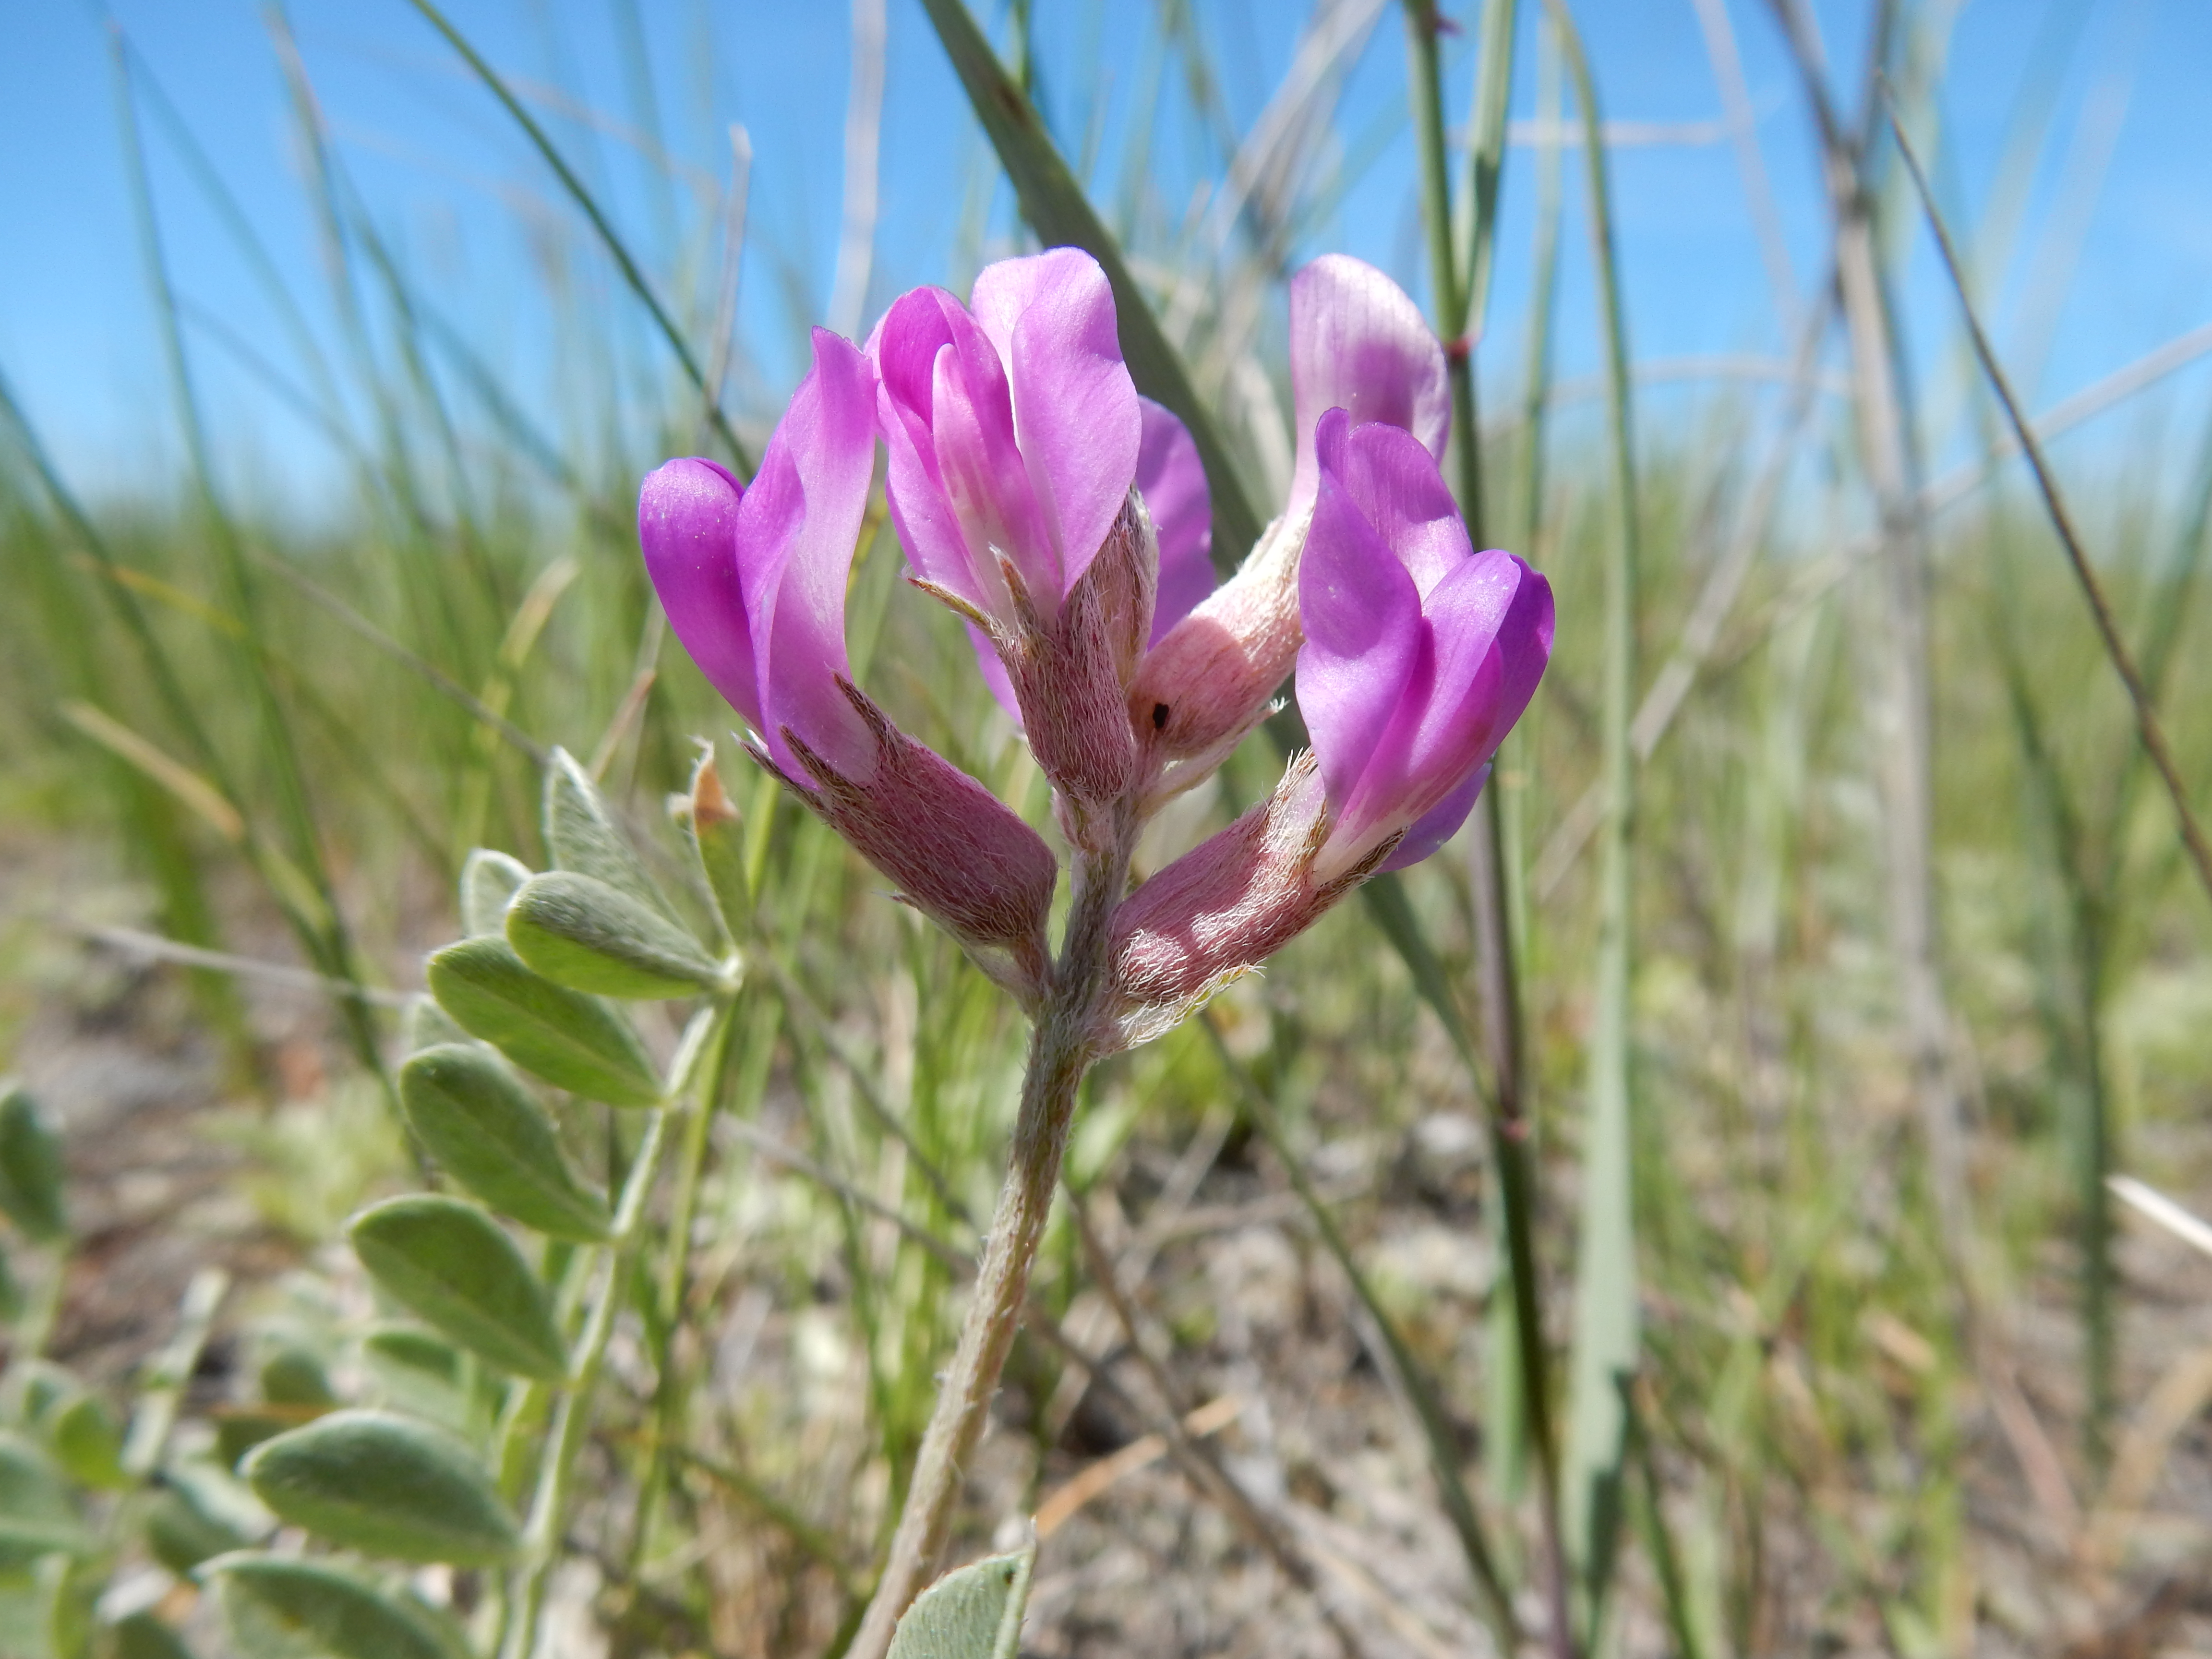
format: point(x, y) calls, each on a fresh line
point(1607, 1327)
point(2149, 731)
point(2073, 949)
point(296, 876)
point(584, 199)
point(1456, 305)
point(1485, 161)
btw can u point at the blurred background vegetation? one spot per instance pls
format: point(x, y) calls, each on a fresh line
point(1917, 960)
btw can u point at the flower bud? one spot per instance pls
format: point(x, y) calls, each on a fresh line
point(1214, 676)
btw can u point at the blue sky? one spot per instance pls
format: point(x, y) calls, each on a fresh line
point(2115, 253)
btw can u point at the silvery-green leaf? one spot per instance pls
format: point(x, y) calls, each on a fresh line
point(278, 1607)
point(974, 1612)
point(387, 1485)
point(488, 881)
point(218, 1493)
point(181, 1534)
point(572, 1040)
point(473, 1115)
point(449, 1264)
point(41, 1386)
point(69, 1586)
point(88, 1443)
point(239, 1429)
point(32, 1177)
point(293, 1377)
point(11, 1293)
point(580, 933)
point(37, 1517)
point(581, 836)
point(419, 1373)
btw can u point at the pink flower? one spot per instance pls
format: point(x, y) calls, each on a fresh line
point(1357, 343)
point(1015, 433)
point(1068, 520)
point(1420, 652)
point(753, 581)
point(1419, 655)
point(1360, 344)
point(1014, 429)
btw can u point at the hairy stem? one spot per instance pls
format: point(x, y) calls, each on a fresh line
point(1060, 1051)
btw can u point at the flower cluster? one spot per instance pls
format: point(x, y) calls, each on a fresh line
point(1067, 519)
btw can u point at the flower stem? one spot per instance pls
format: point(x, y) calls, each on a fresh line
point(698, 1056)
point(1061, 1048)
point(572, 1414)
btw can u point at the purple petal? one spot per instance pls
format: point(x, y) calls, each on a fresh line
point(1438, 824)
point(1450, 724)
point(1357, 343)
point(687, 515)
point(1051, 317)
point(981, 465)
point(1362, 618)
point(1525, 643)
point(1172, 480)
point(903, 349)
point(1398, 488)
point(958, 486)
point(797, 530)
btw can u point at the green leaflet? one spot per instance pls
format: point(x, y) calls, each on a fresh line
point(490, 882)
point(293, 1377)
point(88, 1443)
point(425, 1025)
point(37, 1517)
point(581, 835)
point(32, 1177)
point(418, 1373)
point(473, 1115)
point(572, 1040)
point(181, 1534)
point(387, 1485)
point(280, 1609)
point(449, 1263)
point(974, 1612)
point(589, 936)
